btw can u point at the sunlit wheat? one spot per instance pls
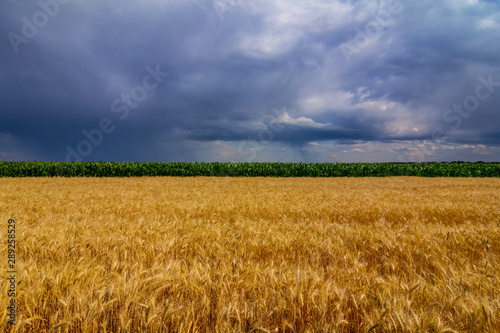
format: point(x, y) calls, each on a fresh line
point(398, 254)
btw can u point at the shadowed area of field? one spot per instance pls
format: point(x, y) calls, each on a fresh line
point(209, 254)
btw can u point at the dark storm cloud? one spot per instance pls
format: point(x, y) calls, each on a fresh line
point(231, 65)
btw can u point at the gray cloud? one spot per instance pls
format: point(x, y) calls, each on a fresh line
point(231, 64)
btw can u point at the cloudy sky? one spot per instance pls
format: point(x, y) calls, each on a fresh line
point(250, 81)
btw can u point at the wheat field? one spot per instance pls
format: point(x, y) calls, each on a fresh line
point(207, 254)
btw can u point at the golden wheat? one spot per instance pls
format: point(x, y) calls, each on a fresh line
point(202, 254)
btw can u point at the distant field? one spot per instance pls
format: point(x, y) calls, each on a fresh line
point(115, 169)
point(220, 254)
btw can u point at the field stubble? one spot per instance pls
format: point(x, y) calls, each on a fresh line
point(398, 254)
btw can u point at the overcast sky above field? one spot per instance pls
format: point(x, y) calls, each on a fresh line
point(256, 80)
